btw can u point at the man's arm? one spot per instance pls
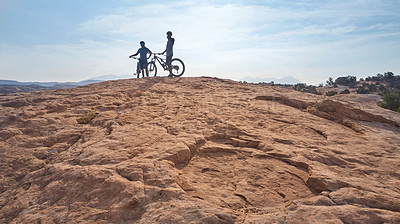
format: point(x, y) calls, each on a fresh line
point(173, 41)
point(134, 54)
point(165, 49)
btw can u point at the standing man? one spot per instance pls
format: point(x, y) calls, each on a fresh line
point(143, 51)
point(169, 50)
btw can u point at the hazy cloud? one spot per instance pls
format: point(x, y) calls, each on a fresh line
point(306, 39)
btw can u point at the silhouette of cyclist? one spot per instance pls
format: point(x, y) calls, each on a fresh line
point(143, 51)
point(169, 50)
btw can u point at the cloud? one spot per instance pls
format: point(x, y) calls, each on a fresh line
point(68, 62)
point(231, 39)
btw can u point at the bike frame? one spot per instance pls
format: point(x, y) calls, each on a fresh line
point(160, 60)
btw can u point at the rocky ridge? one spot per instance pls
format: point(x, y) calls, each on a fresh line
point(197, 150)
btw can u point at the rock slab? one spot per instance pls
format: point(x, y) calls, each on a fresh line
point(197, 150)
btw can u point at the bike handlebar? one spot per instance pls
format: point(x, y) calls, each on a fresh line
point(134, 57)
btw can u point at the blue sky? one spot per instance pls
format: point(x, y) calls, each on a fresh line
point(73, 40)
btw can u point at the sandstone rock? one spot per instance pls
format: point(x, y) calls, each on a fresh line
point(197, 150)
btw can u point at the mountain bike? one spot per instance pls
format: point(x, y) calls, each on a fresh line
point(177, 67)
point(138, 70)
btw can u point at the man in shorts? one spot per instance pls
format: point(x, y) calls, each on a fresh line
point(169, 50)
point(143, 51)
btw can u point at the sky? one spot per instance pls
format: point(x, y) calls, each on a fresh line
point(310, 40)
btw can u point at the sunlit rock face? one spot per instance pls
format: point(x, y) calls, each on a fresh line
point(196, 150)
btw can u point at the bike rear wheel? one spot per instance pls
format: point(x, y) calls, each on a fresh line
point(152, 69)
point(177, 67)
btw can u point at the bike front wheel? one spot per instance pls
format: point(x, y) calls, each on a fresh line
point(152, 69)
point(138, 69)
point(177, 67)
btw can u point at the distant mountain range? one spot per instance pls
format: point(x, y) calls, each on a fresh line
point(48, 84)
point(285, 80)
point(12, 86)
point(81, 83)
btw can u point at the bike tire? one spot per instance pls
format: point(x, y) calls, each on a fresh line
point(178, 67)
point(152, 69)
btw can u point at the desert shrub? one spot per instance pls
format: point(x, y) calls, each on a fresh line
point(393, 81)
point(382, 88)
point(87, 118)
point(299, 86)
point(331, 93)
point(366, 88)
point(388, 76)
point(372, 88)
point(391, 101)
point(346, 91)
point(346, 81)
point(362, 90)
point(302, 87)
point(390, 80)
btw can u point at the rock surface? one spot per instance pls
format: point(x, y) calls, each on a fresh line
point(197, 150)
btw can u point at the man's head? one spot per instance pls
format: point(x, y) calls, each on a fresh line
point(169, 33)
point(142, 43)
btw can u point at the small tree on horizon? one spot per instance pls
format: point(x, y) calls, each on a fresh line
point(330, 81)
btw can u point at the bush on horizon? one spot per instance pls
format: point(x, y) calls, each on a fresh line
point(346, 81)
point(302, 87)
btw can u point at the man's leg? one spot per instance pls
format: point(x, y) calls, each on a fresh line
point(145, 68)
point(169, 59)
